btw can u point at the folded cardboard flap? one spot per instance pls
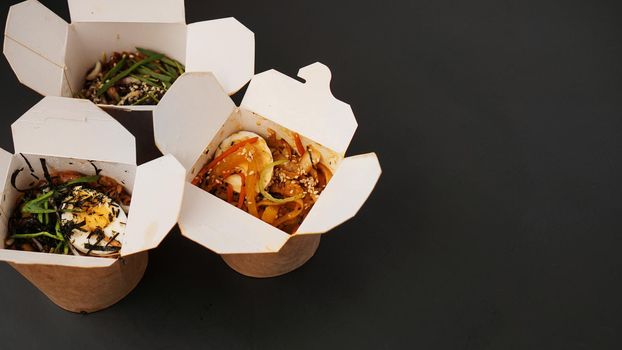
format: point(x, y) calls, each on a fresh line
point(33, 25)
point(223, 228)
point(344, 195)
point(224, 47)
point(4, 223)
point(34, 70)
point(73, 128)
point(189, 115)
point(34, 45)
point(156, 201)
point(308, 108)
point(5, 163)
point(23, 257)
point(163, 11)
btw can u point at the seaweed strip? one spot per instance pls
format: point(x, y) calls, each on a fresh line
point(46, 173)
point(92, 247)
point(97, 170)
point(14, 178)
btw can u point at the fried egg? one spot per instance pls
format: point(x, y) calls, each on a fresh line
point(263, 157)
point(97, 223)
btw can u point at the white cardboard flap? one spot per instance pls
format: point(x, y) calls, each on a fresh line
point(223, 228)
point(34, 44)
point(224, 47)
point(4, 225)
point(156, 201)
point(5, 163)
point(160, 11)
point(308, 108)
point(73, 128)
point(344, 195)
point(32, 258)
point(5, 166)
point(189, 115)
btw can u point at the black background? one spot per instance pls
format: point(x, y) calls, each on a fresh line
point(496, 223)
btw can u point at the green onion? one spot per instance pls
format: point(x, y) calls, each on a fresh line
point(153, 97)
point(142, 99)
point(147, 71)
point(34, 206)
point(114, 69)
point(126, 72)
point(144, 80)
point(47, 216)
point(161, 69)
point(180, 68)
point(171, 70)
point(146, 52)
point(34, 235)
point(166, 60)
point(59, 234)
point(83, 179)
point(58, 247)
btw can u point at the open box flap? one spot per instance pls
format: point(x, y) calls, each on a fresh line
point(223, 228)
point(31, 258)
point(34, 44)
point(156, 201)
point(224, 47)
point(181, 122)
point(154, 11)
point(344, 195)
point(5, 164)
point(308, 108)
point(73, 128)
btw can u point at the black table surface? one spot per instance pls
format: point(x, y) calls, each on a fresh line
point(496, 223)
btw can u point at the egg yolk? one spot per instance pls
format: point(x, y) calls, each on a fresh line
point(91, 207)
point(94, 217)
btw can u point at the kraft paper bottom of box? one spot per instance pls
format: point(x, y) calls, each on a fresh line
point(85, 290)
point(295, 253)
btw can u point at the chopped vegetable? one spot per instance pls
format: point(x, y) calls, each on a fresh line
point(299, 147)
point(224, 155)
point(131, 78)
point(268, 178)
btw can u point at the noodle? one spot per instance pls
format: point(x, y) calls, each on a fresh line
point(280, 190)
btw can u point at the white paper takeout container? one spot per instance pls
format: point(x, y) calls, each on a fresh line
point(52, 56)
point(73, 134)
point(196, 115)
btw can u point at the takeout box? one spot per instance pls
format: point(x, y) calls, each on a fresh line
point(52, 56)
point(196, 115)
point(72, 134)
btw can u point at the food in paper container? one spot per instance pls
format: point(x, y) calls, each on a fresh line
point(270, 178)
point(194, 118)
point(60, 132)
point(53, 57)
point(69, 213)
point(131, 78)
